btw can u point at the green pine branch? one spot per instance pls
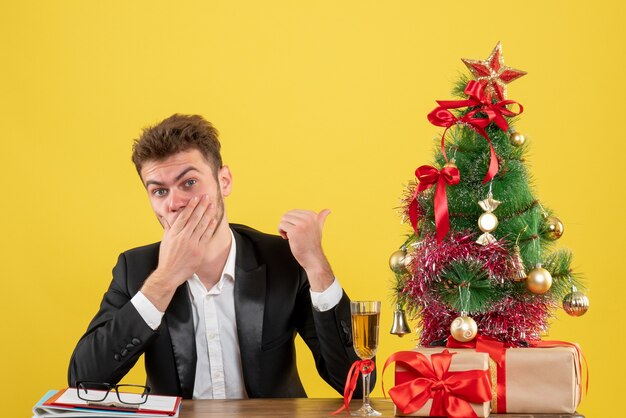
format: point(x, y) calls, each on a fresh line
point(465, 286)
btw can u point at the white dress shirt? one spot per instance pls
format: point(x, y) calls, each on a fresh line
point(219, 373)
point(217, 343)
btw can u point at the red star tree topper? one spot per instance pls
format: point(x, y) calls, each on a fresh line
point(493, 74)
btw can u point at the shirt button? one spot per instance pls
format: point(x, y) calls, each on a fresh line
point(324, 307)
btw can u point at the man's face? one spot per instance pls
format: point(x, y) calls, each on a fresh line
point(173, 181)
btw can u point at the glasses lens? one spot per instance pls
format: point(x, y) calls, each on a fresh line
point(90, 391)
point(132, 394)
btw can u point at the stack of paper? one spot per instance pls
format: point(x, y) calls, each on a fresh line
point(66, 403)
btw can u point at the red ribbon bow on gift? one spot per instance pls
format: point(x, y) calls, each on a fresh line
point(358, 367)
point(429, 176)
point(495, 112)
point(451, 392)
point(497, 352)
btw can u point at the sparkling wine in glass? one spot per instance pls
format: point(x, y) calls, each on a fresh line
point(365, 320)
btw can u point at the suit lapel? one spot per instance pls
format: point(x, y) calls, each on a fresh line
point(250, 287)
point(180, 325)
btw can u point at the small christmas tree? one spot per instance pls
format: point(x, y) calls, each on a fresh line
point(480, 257)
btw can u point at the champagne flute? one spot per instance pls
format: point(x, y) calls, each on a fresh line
point(365, 320)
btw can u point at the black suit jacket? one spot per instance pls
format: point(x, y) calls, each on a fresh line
point(272, 303)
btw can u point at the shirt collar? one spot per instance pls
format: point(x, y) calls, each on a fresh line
point(227, 273)
point(229, 267)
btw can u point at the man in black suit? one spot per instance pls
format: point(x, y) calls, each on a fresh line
point(215, 307)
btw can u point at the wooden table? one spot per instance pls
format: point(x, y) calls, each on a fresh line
point(306, 408)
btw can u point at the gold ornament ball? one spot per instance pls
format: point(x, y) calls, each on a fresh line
point(575, 303)
point(554, 227)
point(539, 280)
point(517, 139)
point(463, 329)
point(450, 164)
point(397, 261)
point(487, 222)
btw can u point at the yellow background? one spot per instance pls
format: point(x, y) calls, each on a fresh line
point(319, 104)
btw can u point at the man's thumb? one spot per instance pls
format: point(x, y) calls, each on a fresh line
point(321, 217)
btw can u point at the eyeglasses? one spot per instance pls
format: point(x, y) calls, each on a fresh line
point(128, 395)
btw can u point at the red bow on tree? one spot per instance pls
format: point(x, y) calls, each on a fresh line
point(429, 176)
point(494, 112)
point(451, 392)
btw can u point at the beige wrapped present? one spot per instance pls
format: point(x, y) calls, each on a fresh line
point(542, 380)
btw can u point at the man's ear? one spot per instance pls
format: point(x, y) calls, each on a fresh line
point(225, 180)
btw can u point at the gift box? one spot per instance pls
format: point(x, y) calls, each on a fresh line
point(543, 379)
point(441, 382)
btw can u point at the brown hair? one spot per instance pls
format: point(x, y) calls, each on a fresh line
point(176, 134)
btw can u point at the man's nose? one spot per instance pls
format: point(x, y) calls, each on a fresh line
point(178, 201)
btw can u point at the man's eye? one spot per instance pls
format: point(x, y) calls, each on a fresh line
point(190, 182)
point(159, 192)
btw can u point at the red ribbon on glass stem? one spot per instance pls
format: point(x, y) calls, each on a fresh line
point(358, 367)
point(451, 392)
point(495, 112)
point(429, 176)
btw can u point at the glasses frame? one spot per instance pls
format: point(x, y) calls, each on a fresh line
point(109, 387)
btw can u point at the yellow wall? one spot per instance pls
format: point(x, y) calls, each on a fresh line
point(319, 104)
